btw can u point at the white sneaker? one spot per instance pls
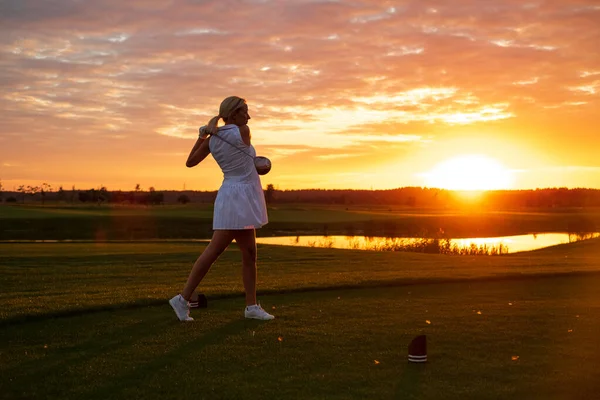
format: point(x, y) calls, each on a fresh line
point(257, 312)
point(181, 308)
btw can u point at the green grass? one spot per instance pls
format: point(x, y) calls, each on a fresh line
point(91, 321)
point(278, 213)
point(18, 211)
point(106, 222)
point(324, 345)
point(67, 277)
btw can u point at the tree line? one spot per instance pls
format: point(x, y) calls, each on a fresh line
point(100, 195)
point(441, 198)
point(417, 197)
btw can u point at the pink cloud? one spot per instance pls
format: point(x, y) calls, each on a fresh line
point(72, 70)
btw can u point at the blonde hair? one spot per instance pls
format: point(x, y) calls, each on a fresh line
point(227, 107)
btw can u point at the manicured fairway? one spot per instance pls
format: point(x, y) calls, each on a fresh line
point(92, 322)
point(194, 221)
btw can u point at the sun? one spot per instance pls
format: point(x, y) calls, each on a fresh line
point(469, 172)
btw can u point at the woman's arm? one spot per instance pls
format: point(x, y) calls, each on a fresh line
point(199, 152)
point(245, 133)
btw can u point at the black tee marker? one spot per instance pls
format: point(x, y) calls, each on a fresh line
point(417, 349)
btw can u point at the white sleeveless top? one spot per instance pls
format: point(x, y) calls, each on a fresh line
point(240, 202)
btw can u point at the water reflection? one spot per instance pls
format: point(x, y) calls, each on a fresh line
point(468, 246)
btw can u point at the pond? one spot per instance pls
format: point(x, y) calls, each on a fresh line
point(490, 245)
point(458, 246)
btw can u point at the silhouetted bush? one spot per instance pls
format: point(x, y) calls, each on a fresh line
point(183, 199)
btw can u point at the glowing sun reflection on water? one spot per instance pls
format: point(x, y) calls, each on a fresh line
point(509, 244)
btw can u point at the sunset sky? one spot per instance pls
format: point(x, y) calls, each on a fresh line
point(343, 94)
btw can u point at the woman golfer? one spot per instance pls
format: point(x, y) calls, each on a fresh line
point(239, 207)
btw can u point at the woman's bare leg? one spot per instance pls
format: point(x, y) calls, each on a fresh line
point(218, 244)
point(246, 240)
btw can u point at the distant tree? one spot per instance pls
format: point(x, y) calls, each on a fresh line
point(61, 193)
point(156, 197)
point(183, 199)
point(1, 194)
point(44, 190)
point(137, 187)
point(270, 193)
point(23, 190)
point(103, 195)
point(33, 190)
point(72, 194)
point(83, 197)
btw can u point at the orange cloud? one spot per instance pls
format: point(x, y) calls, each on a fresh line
point(113, 80)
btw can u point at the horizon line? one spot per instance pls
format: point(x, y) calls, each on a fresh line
point(319, 189)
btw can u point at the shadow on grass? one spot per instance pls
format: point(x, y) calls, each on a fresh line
point(70, 357)
point(186, 349)
point(143, 303)
point(79, 353)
